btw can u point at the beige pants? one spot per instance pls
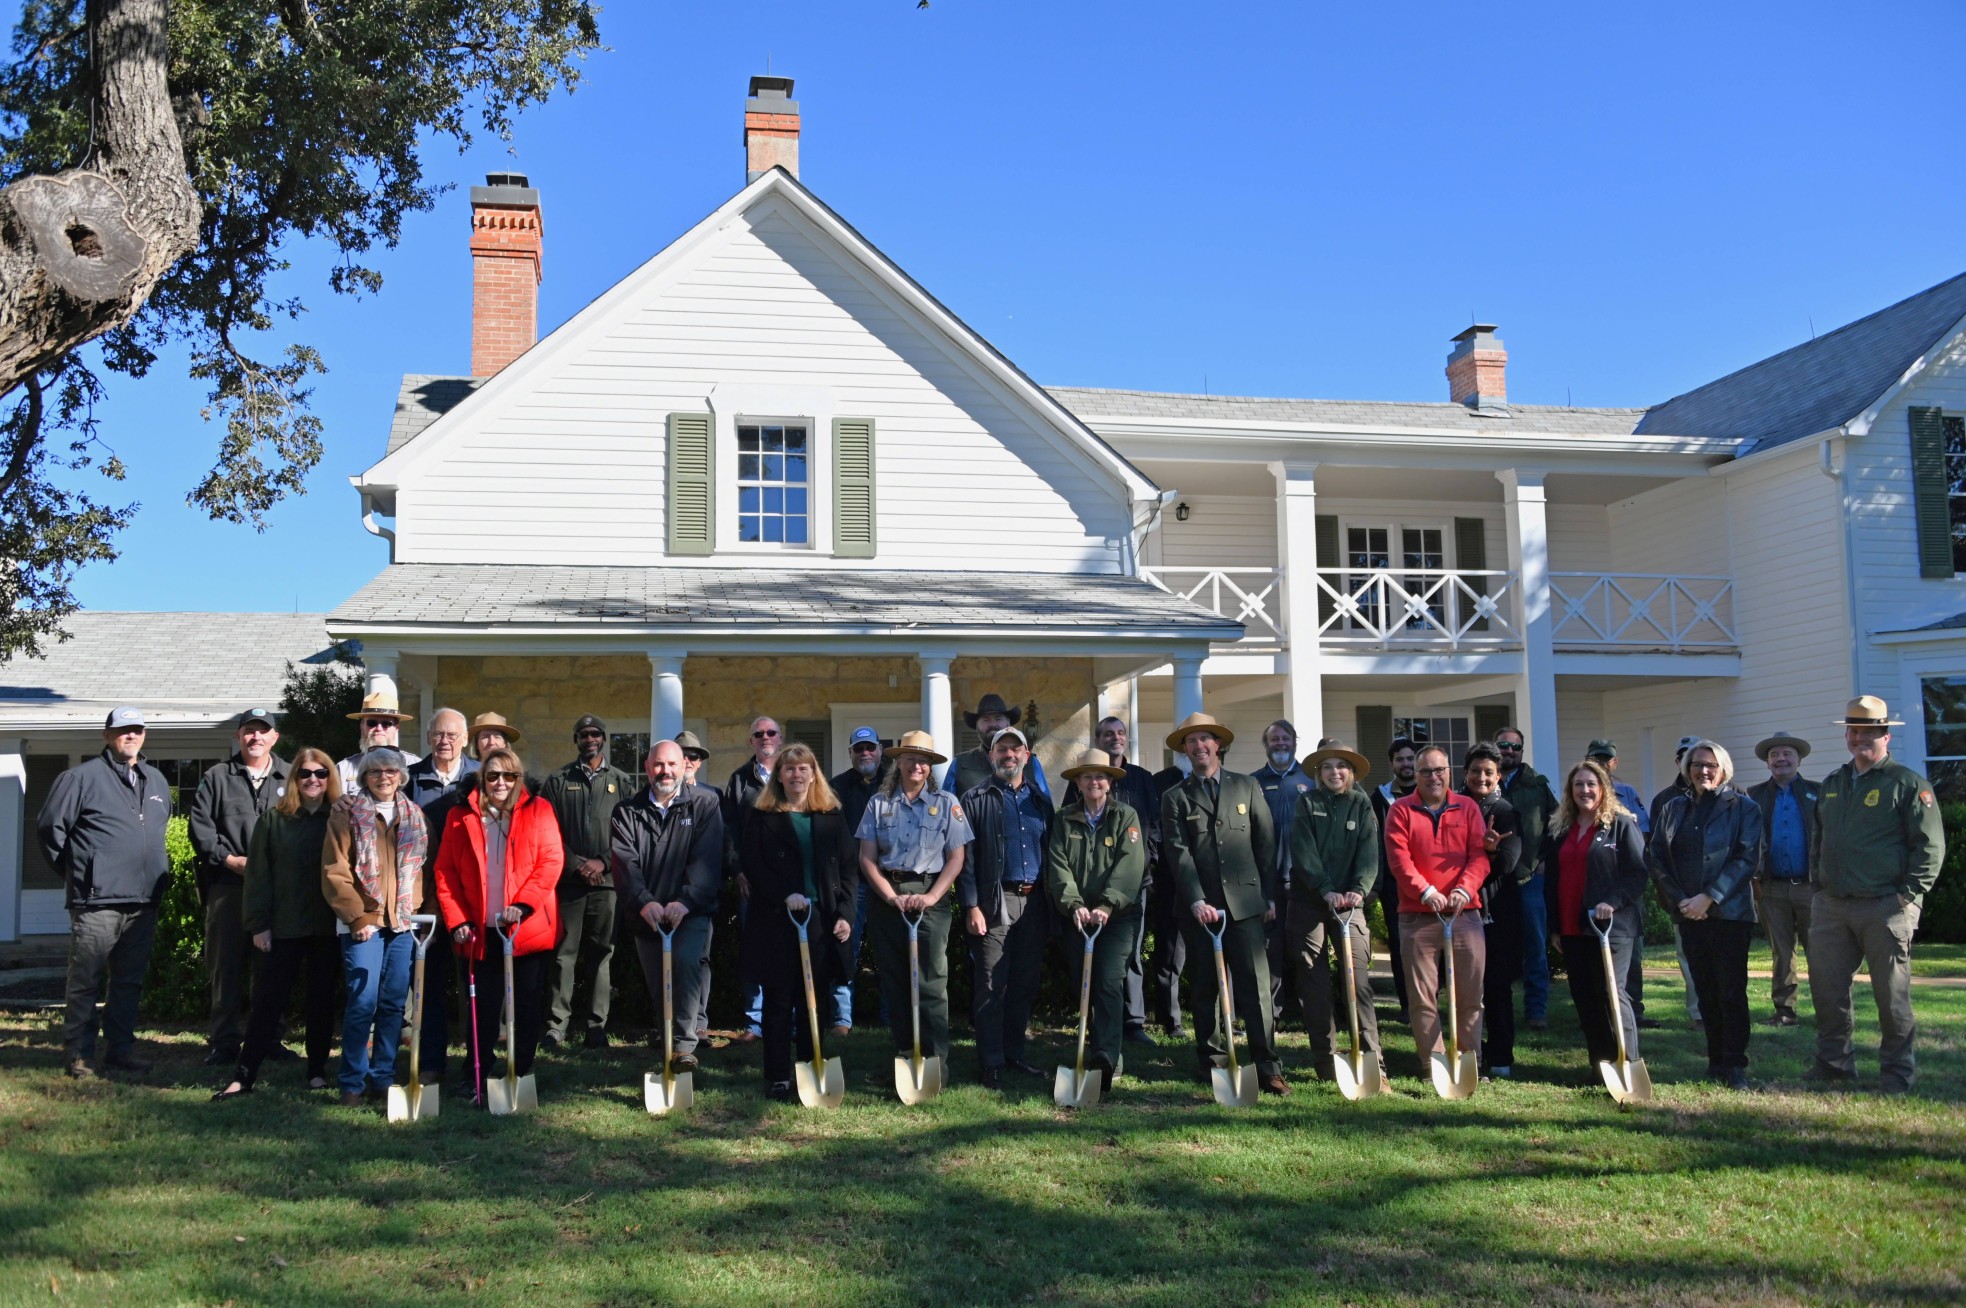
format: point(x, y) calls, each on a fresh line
point(1422, 941)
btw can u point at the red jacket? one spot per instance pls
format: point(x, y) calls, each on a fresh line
point(533, 863)
point(1448, 857)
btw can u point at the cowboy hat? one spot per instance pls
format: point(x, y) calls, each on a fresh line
point(993, 703)
point(1177, 739)
point(1332, 747)
point(1867, 711)
point(918, 743)
point(1096, 761)
point(494, 722)
point(380, 704)
point(1796, 743)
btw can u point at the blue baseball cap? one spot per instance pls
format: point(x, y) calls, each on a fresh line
point(863, 736)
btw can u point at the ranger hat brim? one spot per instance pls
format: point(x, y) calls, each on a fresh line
point(1331, 747)
point(918, 743)
point(1868, 711)
point(1177, 739)
point(1796, 743)
point(1093, 762)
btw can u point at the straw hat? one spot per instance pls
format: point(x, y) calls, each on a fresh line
point(1796, 743)
point(918, 743)
point(1332, 747)
point(1867, 711)
point(1095, 761)
point(993, 703)
point(494, 722)
point(381, 704)
point(1177, 739)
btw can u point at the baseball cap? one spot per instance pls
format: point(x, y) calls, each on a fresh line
point(1685, 743)
point(1602, 749)
point(863, 736)
point(1022, 739)
point(590, 723)
point(258, 715)
point(123, 716)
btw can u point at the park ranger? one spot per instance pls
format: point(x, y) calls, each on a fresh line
point(1876, 848)
point(1096, 872)
point(912, 840)
point(1218, 841)
point(1334, 857)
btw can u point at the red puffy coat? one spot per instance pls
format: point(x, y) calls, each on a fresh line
point(533, 863)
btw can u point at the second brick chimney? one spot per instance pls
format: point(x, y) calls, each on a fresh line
point(506, 237)
point(1476, 368)
point(771, 128)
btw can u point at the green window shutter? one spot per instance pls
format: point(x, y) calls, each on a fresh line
point(1375, 734)
point(853, 488)
point(692, 483)
point(1326, 535)
point(1933, 512)
point(1471, 551)
point(1490, 720)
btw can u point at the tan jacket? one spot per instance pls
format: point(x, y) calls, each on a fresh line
point(344, 892)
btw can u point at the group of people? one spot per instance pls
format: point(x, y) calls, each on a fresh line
point(340, 874)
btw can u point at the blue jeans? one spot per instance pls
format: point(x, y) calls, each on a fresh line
point(843, 992)
point(376, 984)
point(1535, 952)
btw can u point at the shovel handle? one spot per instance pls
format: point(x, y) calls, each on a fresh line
point(1220, 925)
point(423, 926)
point(504, 933)
point(800, 922)
point(1091, 935)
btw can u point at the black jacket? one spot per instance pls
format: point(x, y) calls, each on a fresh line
point(660, 858)
point(224, 813)
point(1506, 857)
point(855, 790)
point(737, 796)
point(980, 883)
point(1614, 874)
point(437, 799)
point(775, 867)
point(1730, 840)
point(105, 836)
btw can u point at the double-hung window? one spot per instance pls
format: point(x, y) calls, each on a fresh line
point(774, 484)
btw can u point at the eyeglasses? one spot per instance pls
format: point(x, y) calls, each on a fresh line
point(501, 776)
point(763, 735)
point(1707, 765)
point(447, 735)
point(372, 723)
point(1431, 772)
point(311, 774)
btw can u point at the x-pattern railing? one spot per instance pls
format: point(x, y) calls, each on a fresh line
point(1643, 609)
point(1451, 607)
point(1244, 595)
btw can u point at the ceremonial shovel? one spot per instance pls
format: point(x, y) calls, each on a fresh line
point(1357, 1076)
point(1071, 1088)
point(416, 1101)
point(1458, 1070)
point(823, 1084)
point(669, 1090)
point(511, 1093)
point(1235, 1087)
point(917, 1080)
point(1627, 1079)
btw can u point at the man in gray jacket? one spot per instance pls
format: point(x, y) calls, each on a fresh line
point(102, 828)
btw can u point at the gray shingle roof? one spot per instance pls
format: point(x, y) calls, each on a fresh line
point(160, 660)
point(1088, 403)
point(422, 400)
point(1820, 384)
point(530, 595)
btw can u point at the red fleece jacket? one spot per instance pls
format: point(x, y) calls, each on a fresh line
point(1448, 857)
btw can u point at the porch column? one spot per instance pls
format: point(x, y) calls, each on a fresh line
point(13, 832)
point(666, 698)
point(938, 710)
point(1303, 693)
point(1527, 508)
point(381, 664)
point(1187, 687)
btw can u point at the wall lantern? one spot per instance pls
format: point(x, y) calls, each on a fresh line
point(1181, 511)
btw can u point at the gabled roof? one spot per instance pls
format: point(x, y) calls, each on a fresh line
point(432, 404)
point(1090, 403)
point(1821, 384)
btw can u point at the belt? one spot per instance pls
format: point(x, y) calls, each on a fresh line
point(1022, 889)
point(902, 874)
point(1791, 880)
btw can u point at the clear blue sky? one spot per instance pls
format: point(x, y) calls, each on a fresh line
point(1273, 199)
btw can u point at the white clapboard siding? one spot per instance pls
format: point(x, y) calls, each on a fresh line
point(1678, 529)
point(1580, 538)
point(571, 469)
point(1222, 531)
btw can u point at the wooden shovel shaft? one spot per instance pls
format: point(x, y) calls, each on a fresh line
point(1351, 1004)
point(812, 1002)
point(1453, 1000)
point(416, 1030)
point(1611, 992)
point(1085, 1007)
point(1228, 1003)
point(915, 992)
point(668, 1019)
point(511, 1029)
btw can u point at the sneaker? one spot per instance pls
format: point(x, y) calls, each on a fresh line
point(79, 1069)
point(1819, 1071)
point(597, 1038)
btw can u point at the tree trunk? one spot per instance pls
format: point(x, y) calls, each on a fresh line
point(82, 251)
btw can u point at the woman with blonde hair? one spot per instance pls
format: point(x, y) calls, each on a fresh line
point(289, 921)
point(1593, 862)
point(794, 846)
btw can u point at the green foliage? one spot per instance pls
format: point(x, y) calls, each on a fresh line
point(176, 989)
point(1943, 918)
point(315, 704)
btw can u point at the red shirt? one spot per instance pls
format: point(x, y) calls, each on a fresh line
point(1445, 851)
point(1572, 868)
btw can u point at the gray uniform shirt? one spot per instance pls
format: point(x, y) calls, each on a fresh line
point(915, 836)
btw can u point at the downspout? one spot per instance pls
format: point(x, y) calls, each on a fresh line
point(1835, 474)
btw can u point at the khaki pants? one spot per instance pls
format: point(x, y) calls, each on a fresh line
point(1785, 912)
point(1876, 932)
point(1315, 937)
point(1422, 938)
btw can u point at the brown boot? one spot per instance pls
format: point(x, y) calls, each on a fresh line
point(1274, 1084)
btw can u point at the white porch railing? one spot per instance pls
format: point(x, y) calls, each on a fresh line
point(1246, 595)
point(1417, 608)
point(1642, 611)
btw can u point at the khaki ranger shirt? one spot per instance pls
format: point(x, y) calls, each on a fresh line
point(1100, 865)
point(1334, 843)
point(1223, 848)
point(1878, 834)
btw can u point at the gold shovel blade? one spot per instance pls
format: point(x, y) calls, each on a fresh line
point(1069, 1090)
point(412, 1103)
point(913, 1090)
point(504, 1099)
point(1234, 1091)
point(825, 1090)
point(1629, 1083)
point(1456, 1080)
point(1360, 1082)
point(680, 1092)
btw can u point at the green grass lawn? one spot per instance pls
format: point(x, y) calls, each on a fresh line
point(1538, 1191)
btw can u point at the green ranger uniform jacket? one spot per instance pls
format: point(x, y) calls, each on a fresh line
point(1099, 865)
point(1878, 834)
point(584, 802)
point(1529, 793)
point(1334, 843)
point(1221, 848)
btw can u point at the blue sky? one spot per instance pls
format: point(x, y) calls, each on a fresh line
point(1272, 199)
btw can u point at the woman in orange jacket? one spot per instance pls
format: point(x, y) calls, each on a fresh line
point(499, 864)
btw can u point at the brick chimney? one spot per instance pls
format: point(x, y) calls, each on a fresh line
point(1476, 368)
point(771, 128)
point(505, 271)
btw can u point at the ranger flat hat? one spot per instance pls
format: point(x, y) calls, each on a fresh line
point(1796, 743)
point(1096, 762)
point(920, 744)
point(1868, 711)
point(380, 704)
point(1332, 747)
point(993, 703)
point(1177, 739)
point(692, 747)
point(494, 722)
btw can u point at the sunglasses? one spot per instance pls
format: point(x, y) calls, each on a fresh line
point(866, 749)
point(763, 735)
point(501, 776)
point(372, 723)
point(589, 735)
point(312, 774)
point(1507, 748)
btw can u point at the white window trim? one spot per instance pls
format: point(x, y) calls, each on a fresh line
point(889, 719)
point(814, 408)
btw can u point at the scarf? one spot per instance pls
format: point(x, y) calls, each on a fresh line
point(412, 846)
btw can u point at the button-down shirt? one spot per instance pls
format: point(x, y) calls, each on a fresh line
point(915, 836)
point(1023, 836)
point(1788, 842)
